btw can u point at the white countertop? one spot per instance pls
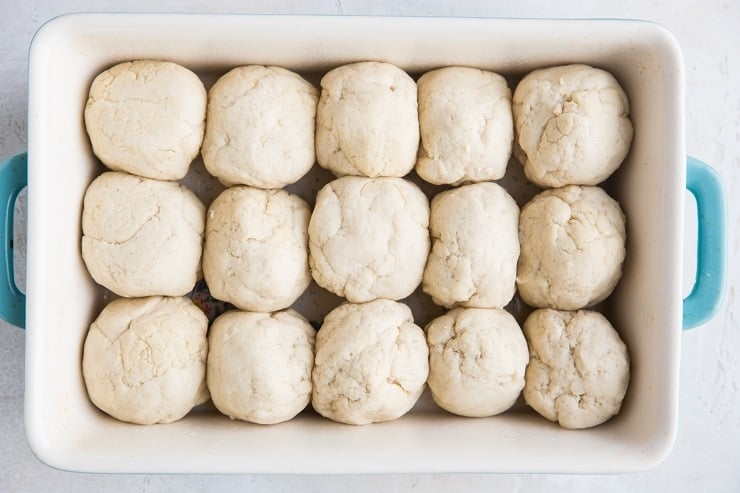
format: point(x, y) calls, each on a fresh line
point(705, 456)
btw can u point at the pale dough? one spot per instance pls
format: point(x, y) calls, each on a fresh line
point(259, 365)
point(371, 363)
point(147, 118)
point(367, 121)
point(573, 125)
point(144, 359)
point(475, 247)
point(256, 252)
point(578, 371)
point(572, 248)
point(477, 359)
point(260, 127)
point(466, 126)
point(142, 237)
point(369, 238)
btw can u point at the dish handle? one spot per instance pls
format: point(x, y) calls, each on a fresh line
point(705, 298)
point(13, 177)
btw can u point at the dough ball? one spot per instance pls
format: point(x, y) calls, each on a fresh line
point(260, 127)
point(371, 363)
point(475, 246)
point(465, 124)
point(369, 238)
point(147, 117)
point(578, 369)
point(256, 254)
point(142, 237)
point(144, 359)
point(572, 124)
point(477, 358)
point(259, 365)
point(572, 248)
point(367, 121)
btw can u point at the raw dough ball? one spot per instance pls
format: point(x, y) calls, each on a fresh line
point(477, 359)
point(572, 125)
point(256, 254)
point(260, 127)
point(144, 360)
point(475, 246)
point(371, 363)
point(369, 238)
point(578, 369)
point(259, 365)
point(465, 124)
point(367, 122)
point(572, 248)
point(147, 117)
point(142, 237)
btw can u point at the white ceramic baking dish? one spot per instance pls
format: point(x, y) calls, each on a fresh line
point(66, 431)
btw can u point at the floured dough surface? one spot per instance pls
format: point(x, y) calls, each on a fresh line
point(466, 125)
point(578, 371)
point(260, 127)
point(256, 252)
point(259, 365)
point(142, 237)
point(367, 121)
point(477, 359)
point(572, 248)
point(369, 238)
point(144, 359)
point(572, 124)
point(475, 247)
point(147, 118)
point(371, 363)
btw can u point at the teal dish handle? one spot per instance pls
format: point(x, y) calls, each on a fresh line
point(706, 296)
point(13, 178)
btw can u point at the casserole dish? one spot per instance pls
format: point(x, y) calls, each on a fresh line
point(66, 431)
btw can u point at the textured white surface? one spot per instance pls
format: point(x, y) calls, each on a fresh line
point(708, 443)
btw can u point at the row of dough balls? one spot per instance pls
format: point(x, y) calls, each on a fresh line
point(266, 126)
point(151, 360)
point(367, 238)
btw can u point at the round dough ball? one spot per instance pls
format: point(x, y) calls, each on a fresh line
point(147, 118)
point(572, 124)
point(369, 238)
point(144, 359)
point(572, 248)
point(371, 363)
point(259, 365)
point(142, 237)
point(367, 122)
point(465, 124)
point(260, 127)
point(578, 369)
point(256, 253)
point(477, 358)
point(475, 247)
